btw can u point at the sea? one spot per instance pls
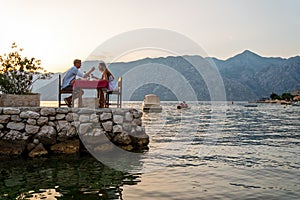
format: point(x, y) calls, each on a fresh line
point(214, 150)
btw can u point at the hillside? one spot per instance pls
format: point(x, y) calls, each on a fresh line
point(246, 76)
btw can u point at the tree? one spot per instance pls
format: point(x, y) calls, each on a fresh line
point(274, 96)
point(286, 96)
point(17, 73)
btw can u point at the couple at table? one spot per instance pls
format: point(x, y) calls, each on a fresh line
point(73, 72)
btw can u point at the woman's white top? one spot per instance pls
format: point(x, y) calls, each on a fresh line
point(112, 84)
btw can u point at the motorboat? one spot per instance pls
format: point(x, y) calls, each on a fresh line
point(183, 105)
point(151, 103)
point(250, 105)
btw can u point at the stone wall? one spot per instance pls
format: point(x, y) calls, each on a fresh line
point(26, 100)
point(36, 131)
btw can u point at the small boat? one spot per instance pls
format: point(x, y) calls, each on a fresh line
point(296, 103)
point(250, 105)
point(183, 105)
point(151, 103)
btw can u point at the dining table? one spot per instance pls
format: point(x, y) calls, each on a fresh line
point(81, 84)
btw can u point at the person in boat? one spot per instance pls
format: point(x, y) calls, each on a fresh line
point(182, 105)
point(106, 75)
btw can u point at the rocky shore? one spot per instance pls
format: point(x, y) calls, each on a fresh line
point(40, 131)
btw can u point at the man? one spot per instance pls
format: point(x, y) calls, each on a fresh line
point(69, 78)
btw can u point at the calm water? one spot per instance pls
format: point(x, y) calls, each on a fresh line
point(207, 152)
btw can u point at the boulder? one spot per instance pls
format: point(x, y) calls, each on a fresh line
point(38, 151)
point(66, 147)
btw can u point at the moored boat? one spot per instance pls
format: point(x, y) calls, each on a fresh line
point(183, 105)
point(151, 103)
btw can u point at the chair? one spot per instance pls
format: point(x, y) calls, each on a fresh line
point(118, 92)
point(60, 92)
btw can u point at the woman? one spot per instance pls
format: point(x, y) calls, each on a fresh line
point(106, 75)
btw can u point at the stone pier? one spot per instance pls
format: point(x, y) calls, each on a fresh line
point(41, 131)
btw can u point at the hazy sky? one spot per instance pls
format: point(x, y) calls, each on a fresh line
point(57, 31)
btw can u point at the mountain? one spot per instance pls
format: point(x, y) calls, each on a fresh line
point(246, 76)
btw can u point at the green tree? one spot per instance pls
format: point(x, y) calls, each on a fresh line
point(17, 73)
point(274, 96)
point(286, 96)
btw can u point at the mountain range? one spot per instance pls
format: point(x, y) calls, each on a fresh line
point(245, 77)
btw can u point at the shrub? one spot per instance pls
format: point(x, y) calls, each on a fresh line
point(17, 73)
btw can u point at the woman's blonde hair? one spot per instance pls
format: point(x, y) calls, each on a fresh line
point(105, 70)
point(103, 65)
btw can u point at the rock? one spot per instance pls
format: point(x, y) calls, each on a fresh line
point(16, 125)
point(128, 117)
point(65, 134)
point(71, 131)
point(138, 129)
point(103, 147)
point(117, 129)
point(4, 119)
point(15, 118)
point(143, 141)
point(38, 151)
point(84, 128)
point(62, 110)
point(12, 148)
point(107, 126)
point(60, 116)
point(42, 121)
point(139, 138)
point(31, 121)
point(67, 147)
point(118, 119)
point(30, 146)
point(127, 147)
point(137, 114)
point(105, 116)
point(96, 137)
point(75, 124)
point(86, 111)
point(105, 110)
point(36, 141)
point(72, 117)
point(33, 109)
point(29, 114)
point(94, 118)
point(1, 126)
point(62, 125)
point(137, 122)
point(31, 129)
point(11, 111)
point(47, 135)
point(122, 138)
point(84, 118)
point(127, 126)
point(48, 111)
point(119, 111)
point(51, 124)
point(52, 118)
point(13, 135)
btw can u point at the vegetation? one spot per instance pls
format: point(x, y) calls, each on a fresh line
point(17, 73)
point(284, 96)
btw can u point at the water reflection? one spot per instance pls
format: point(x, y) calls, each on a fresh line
point(47, 194)
point(71, 177)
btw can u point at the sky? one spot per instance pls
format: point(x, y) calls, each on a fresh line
point(58, 31)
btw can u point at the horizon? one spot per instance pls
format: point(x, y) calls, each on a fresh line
point(139, 59)
point(223, 59)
